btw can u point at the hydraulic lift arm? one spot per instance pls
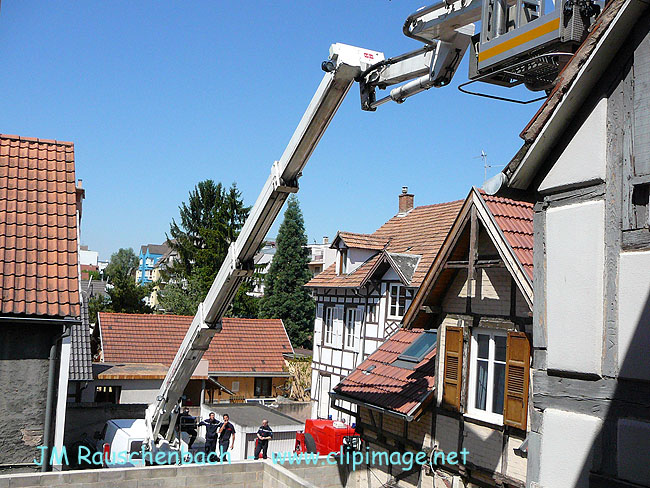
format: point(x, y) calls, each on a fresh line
point(345, 64)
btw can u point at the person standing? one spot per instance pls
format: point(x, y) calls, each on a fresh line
point(211, 432)
point(264, 435)
point(186, 424)
point(226, 436)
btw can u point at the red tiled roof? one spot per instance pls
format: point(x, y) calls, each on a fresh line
point(515, 219)
point(38, 228)
point(243, 345)
point(421, 232)
point(362, 241)
point(388, 386)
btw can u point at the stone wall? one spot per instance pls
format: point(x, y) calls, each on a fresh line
point(24, 351)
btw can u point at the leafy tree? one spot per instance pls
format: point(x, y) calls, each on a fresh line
point(209, 222)
point(96, 304)
point(123, 262)
point(124, 295)
point(95, 275)
point(180, 298)
point(285, 296)
point(244, 305)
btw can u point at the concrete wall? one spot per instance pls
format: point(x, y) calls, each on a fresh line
point(245, 474)
point(24, 349)
point(300, 411)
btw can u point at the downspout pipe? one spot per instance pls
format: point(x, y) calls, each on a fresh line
point(49, 402)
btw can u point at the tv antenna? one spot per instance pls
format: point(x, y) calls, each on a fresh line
point(486, 165)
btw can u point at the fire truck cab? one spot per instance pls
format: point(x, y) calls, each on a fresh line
point(326, 436)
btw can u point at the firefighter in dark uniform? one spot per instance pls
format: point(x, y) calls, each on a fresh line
point(186, 424)
point(264, 435)
point(211, 432)
point(226, 436)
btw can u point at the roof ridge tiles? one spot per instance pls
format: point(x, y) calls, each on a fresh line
point(14, 137)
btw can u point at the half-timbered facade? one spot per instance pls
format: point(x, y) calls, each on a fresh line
point(456, 377)
point(362, 297)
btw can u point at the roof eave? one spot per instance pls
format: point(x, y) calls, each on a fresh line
point(346, 398)
point(257, 374)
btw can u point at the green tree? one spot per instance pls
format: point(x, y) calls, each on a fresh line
point(124, 294)
point(123, 262)
point(96, 304)
point(180, 298)
point(209, 222)
point(285, 295)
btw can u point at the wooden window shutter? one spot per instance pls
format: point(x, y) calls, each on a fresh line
point(515, 405)
point(453, 367)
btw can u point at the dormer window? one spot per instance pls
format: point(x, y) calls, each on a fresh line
point(343, 261)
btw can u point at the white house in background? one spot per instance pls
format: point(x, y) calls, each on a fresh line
point(362, 297)
point(262, 262)
point(88, 257)
point(321, 256)
point(586, 161)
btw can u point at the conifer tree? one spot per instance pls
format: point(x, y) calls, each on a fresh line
point(285, 295)
point(209, 222)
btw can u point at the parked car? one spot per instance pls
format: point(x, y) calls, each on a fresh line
point(121, 442)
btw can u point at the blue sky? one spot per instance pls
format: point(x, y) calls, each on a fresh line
point(158, 96)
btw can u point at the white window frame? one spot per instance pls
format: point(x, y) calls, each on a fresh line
point(328, 325)
point(399, 287)
point(349, 333)
point(373, 313)
point(473, 412)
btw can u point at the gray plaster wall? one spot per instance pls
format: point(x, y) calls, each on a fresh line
point(300, 411)
point(24, 351)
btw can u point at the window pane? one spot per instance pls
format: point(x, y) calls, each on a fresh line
point(499, 384)
point(481, 384)
point(499, 348)
point(402, 301)
point(421, 346)
point(483, 341)
point(136, 450)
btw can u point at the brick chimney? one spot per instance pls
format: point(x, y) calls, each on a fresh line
point(405, 201)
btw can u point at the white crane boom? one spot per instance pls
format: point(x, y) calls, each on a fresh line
point(347, 63)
